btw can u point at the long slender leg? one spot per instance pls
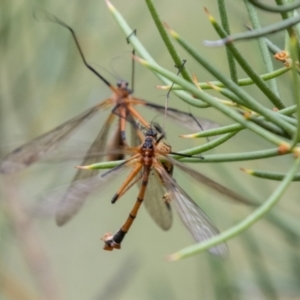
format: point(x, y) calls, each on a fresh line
point(114, 241)
point(133, 61)
point(135, 113)
point(127, 181)
point(48, 16)
point(168, 94)
point(122, 121)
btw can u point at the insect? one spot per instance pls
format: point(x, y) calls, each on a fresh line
point(122, 105)
point(151, 167)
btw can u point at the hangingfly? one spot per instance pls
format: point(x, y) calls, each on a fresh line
point(122, 106)
point(152, 168)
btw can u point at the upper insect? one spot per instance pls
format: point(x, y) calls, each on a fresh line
point(122, 84)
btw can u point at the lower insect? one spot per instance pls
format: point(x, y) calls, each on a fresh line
point(151, 168)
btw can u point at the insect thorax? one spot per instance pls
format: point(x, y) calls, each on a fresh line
point(163, 147)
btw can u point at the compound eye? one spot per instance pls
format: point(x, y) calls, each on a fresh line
point(119, 84)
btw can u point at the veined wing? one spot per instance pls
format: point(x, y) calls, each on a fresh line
point(70, 198)
point(158, 209)
point(209, 182)
point(189, 121)
point(115, 143)
point(155, 203)
point(192, 216)
point(136, 136)
point(182, 118)
point(77, 193)
point(36, 149)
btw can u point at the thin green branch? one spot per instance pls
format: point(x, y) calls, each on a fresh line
point(270, 175)
point(207, 146)
point(225, 24)
point(270, 29)
point(272, 47)
point(209, 158)
point(275, 9)
point(215, 131)
point(241, 82)
point(263, 47)
point(248, 100)
point(168, 42)
point(246, 67)
point(295, 84)
point(269, 126)
point(139, 48)
point(221, 107)
point(238, 127)
point(228, 157)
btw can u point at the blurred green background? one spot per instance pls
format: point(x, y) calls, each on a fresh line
point(44, 83)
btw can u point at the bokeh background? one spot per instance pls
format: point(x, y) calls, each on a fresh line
point(44, 83)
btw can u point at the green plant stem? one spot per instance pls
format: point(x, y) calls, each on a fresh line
point(273, 28)
point(207, 146)
point(225, 24)
point(284, 14)
point(215, 131)
point(272, 47)
point(249, 101)
point(271, 175)
point(168, 42)
point(295, 84)
point(209, 158)
point(217, 158)
point(262, 46)
point(247, 68)
point(236, 127)
point(223, 108)
point(275, 9)
point(139, 48)
point(241, 82)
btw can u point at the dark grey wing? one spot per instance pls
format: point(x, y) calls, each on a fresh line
point(78, 190)
point(187, 120)
point(158, 209)
point(210, 183)
point(64, 202)
point(136, 136)
point(192, 216)
point(155, 203)
point(41, 146)
point(114, 145)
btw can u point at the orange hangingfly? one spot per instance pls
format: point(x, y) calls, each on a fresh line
point(151, 167)
point(122, 104)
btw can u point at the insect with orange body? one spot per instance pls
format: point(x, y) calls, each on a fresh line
point(152, 168)
point(123, 106)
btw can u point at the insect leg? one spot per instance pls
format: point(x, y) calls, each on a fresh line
point(114, 241)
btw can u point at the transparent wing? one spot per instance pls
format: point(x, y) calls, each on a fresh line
point(155, 203)
point(194, 219)
point(182, 118)
point(68, 199)
point(36, 149)
point(77, 193)
point(209, 182)
point(136, 136)
point(189, 121)
point(158, 209)
point(115, 143)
